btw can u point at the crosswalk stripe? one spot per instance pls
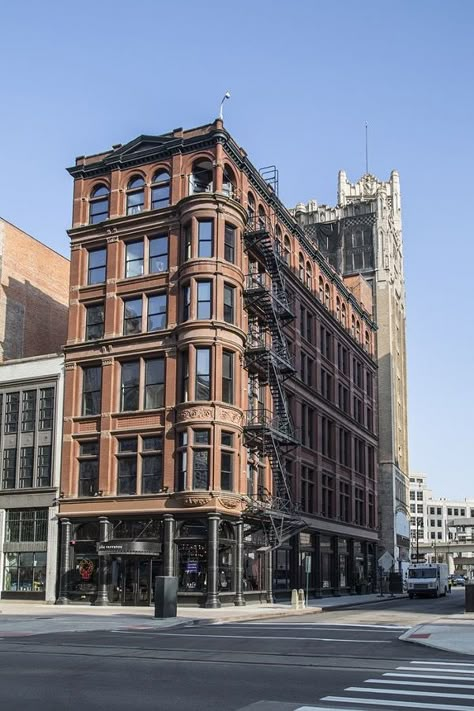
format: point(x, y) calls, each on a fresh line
point(434, 669)
point(393, 702)
point(422, 683)
point(430, 676)
point(447, 664)
point(404, 692)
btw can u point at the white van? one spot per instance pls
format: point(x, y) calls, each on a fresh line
point(427, 579)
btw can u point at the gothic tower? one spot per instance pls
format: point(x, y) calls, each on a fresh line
point(363, 235)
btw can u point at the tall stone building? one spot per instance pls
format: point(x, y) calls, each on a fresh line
point(363, 235)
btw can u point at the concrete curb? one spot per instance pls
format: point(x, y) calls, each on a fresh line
point(347, 605)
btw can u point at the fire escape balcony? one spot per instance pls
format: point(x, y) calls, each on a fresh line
point(264, 429)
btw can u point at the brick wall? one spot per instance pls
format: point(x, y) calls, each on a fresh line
point(33, 297)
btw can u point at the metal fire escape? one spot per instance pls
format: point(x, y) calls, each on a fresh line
point(269, 433)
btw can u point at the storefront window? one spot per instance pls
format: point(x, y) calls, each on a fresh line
point(84, 574)
point(192, 567)
point(25, 572)
point(253, 562)
point(327, 556)
point(343, 563)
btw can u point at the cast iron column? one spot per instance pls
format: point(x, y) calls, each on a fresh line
point(239, 562)
point(268, 557)
point(102, 588)
point(212, 599)
point(168, 544)
point(317, 565)
point(65, 561)
point(335, 572)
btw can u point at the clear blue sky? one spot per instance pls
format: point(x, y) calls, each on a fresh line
point(304, 76)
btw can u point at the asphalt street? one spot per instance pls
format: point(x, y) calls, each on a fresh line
point(315, 662)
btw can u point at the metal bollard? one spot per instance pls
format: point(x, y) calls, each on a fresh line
point(301, 599)
point(294, 599)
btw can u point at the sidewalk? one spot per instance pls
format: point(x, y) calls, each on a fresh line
point(39, 618)
point(454, 633)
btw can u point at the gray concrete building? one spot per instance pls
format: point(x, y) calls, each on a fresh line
point(362, 234)
point(31, 411)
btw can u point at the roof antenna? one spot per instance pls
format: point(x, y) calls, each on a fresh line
point(366, 148)
point(221, 112)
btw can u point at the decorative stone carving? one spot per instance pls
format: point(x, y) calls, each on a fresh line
point(228, 502)
point(228, 415)
point(195, 413)
point(190, 500)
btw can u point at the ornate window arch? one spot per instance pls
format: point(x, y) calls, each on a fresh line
point(321, 289)
point(344, 315)
point(135, 195)
point(229, 183)
point(309, 274)
point(201, 179)
point(160, 189)
point(327, 296)
point(301, 267)
point(338, 308)
point(99, 204)
point(287, 250)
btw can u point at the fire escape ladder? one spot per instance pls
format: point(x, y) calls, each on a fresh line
point(270, 433)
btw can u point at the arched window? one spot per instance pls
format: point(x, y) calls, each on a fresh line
point(358, 330)
point(251, 207)
point(338, 308)
point(262, 220)
point(343, 315)
point(278, 246)
point(201, 178)
point(160, 190)
point(367, 342)
point(228, 182)
point(287, 250)
point(99, 204)
point(301, 267)
point(309, 274)
point(321, 289)
point(353, 326)
point(327, 297)
point(135, 195)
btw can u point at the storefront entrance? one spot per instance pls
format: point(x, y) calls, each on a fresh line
point(137, 580)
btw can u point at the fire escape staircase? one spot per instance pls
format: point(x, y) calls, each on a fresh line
point(270, 433)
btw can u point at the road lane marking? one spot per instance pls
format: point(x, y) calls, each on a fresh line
point(430, 676)
point(393, 702)
point(403, 692)
point(434, 669)
point(248, 636)
point(422, 683)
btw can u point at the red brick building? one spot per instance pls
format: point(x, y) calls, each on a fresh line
point(207, 338)
point(34, 295)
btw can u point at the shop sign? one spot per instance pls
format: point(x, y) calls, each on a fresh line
point(118, 547)
point(192, 567)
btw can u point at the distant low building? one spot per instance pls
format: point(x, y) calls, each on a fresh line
point(441, 529)
point(31, 404)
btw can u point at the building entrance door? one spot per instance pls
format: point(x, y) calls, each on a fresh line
point(138, 581)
